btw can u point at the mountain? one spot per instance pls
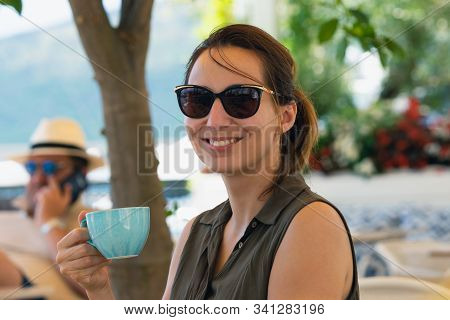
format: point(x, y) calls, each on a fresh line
point(44, 77)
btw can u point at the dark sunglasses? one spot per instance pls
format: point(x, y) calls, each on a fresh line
point(239, 101)
point(48, 167)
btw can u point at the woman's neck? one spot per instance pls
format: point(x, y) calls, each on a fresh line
point(244, 194)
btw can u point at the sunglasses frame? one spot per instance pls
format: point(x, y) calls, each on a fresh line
point(219, 95)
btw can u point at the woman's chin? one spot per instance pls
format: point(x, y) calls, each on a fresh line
point(222, 168)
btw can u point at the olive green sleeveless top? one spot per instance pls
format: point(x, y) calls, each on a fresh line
point(245, 275)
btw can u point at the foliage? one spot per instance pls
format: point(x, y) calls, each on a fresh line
point(349, 24)
point(318, 35)
point(16, 4)
point(425, 36)
point(380, 139)
point(353, 139)
point(171, 210)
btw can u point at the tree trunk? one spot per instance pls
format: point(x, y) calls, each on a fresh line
point(118, 58)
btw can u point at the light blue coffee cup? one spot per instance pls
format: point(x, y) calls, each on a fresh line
point(118, 233)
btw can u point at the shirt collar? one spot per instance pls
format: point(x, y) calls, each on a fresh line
point(285, 192)
point(218, 215)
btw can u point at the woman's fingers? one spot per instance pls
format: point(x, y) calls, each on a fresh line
point(86, 276)
point(82, 214)
point(70, 245)
point(96, 267)
point(80, 261)
point(78, 251)
point(76, 236)
point(85, 263)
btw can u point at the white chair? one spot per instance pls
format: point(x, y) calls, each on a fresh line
point(400, 288)
point(405, 258)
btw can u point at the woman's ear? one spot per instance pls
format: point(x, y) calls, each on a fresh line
point(288, 116)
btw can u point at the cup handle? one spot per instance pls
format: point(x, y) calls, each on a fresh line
point(83, 224)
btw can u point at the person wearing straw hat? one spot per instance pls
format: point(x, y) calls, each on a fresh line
point(58, 163)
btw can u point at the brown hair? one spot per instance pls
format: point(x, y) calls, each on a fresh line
point(279, 75)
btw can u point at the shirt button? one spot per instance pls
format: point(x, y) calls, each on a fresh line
point(254, 224)
point(240, 244)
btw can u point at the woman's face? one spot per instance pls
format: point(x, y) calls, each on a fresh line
point(246, 145)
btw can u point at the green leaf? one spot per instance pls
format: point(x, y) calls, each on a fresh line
point(168, 213)
point(366, 45)
point(360, 30)
point(341, 48)
point(358, 14)
point(394, 47)
point(383, 57)
point(327, 30)
point(16, 4)
point(356, 30)
point(369, 31)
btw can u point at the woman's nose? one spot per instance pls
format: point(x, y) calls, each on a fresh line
point(217, 115)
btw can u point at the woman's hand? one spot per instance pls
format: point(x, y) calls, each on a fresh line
point(83, 263)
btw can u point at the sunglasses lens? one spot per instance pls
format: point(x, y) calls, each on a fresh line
point(30, 166)
point(241, 103)
point(49, 167)
point(195, 102)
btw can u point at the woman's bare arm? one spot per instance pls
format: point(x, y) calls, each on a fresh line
point(314, 260)
point(10, 275)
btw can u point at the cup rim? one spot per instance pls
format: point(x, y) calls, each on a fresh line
point(105, 211)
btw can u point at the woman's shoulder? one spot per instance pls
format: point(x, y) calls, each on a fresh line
point(321, 215)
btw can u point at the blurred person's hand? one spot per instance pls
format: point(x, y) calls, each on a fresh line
point(84, 264)
point(30, 191)
point(51, 201)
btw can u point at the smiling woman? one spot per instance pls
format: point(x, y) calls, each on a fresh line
point(273, 238)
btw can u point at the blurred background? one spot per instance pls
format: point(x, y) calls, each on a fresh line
point(377, 72)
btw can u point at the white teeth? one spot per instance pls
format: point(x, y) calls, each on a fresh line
point(221, 143)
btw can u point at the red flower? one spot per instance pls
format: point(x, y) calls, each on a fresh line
point(445, 152)
point(383, 138)
point(326, 152)
point(388, 164)
point(401, 145)
point(413, 111)
point(421, 163)
point(314, 163)
point(402, 161)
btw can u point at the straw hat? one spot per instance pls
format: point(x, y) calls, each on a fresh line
point(59, 136)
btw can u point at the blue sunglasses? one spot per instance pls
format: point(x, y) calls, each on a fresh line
point(48, 167)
